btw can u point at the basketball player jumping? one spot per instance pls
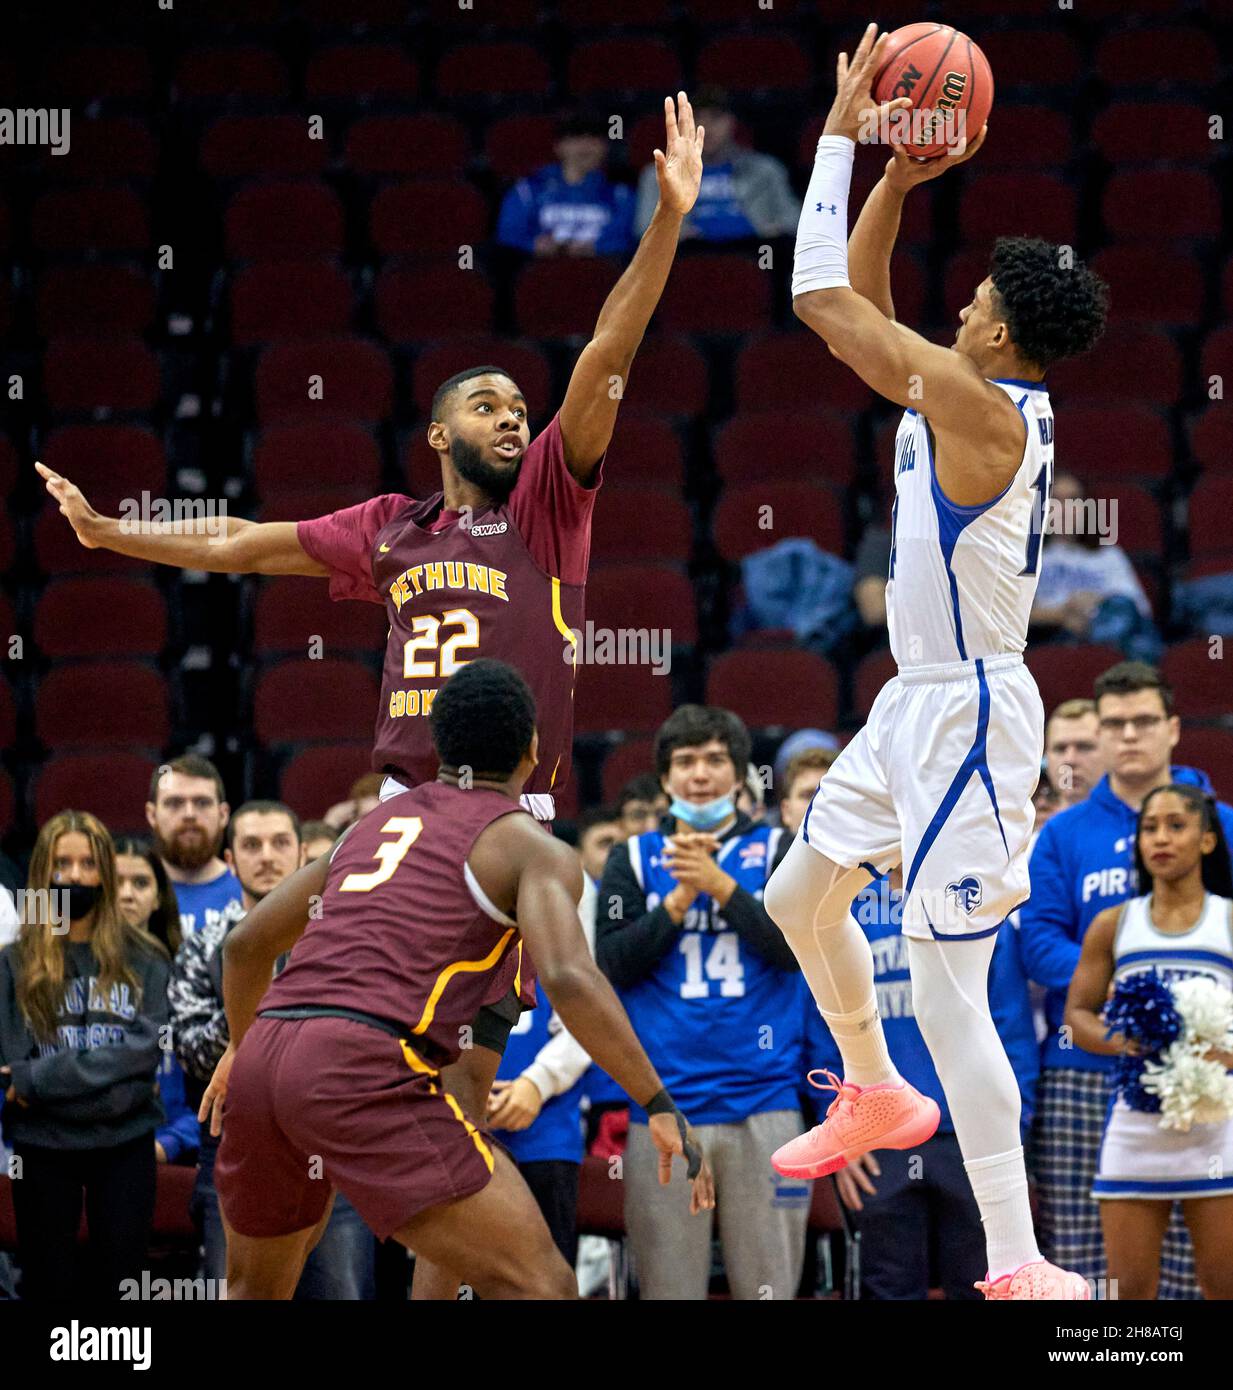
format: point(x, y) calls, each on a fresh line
point(339, 1059)
point(492, 565)
point(941, 777)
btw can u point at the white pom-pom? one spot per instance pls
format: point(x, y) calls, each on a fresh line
point(1192, 1091)
point(1206, 1009)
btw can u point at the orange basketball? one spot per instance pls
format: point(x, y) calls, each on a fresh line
point(948, 80)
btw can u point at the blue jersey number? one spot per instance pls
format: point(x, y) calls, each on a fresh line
point(1040, 507)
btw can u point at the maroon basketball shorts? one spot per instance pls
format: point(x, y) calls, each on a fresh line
point(320, 1103)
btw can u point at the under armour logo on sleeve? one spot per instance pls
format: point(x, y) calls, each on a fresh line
point(834, 207)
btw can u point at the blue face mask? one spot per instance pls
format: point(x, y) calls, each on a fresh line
point(705, 815)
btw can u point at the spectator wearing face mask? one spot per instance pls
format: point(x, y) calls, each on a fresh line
point(714, 992)
point(83, 1009)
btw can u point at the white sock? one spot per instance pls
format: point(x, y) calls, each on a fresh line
point(862, 1045)
point(1000, 1186)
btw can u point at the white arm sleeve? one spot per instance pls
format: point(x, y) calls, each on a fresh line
point(822, 233)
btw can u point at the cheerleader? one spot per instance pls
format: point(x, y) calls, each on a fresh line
point(1183, 927)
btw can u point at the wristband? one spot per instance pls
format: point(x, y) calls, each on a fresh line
point(661, 1103)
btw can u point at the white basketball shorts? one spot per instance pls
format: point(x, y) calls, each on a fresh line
point(940, 780)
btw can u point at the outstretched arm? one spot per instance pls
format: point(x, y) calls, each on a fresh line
point(588, 413)
point(222, 545)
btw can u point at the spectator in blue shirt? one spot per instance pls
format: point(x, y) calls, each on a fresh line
point(147, 900)
point(570, 208)
point(1083, 862)
point(909, 1203)
point(187, 813)
point(713, 991)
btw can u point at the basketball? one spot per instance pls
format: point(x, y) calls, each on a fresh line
point(948, 80)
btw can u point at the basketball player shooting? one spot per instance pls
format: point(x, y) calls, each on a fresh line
point(940, 779)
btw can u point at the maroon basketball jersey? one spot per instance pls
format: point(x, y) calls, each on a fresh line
point(405, 931)
point(507, 582)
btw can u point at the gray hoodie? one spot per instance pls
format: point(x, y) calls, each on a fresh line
point(94, 1086)
point(760, 183)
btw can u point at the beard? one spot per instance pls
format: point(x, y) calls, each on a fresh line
point(471, 464)
point(187, 852)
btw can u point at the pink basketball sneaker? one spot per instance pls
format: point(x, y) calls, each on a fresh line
point(1037, 1279)
point(860, 1118)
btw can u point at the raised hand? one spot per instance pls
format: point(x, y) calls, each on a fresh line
point(678, 166)
point(854, 109)
point(72, 504)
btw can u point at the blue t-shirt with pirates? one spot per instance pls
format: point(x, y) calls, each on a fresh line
point(722, 1026)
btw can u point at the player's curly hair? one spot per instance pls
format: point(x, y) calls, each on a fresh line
point(483, 718)
point(1053, 311)
point(440, 397)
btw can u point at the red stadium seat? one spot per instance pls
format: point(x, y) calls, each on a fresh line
point(769, 688)
point(756, 62)
point(716, 294)
point(794, 371)
point(284, 220)
point(1211, 438)
point(299, 701)
point(759, 515)
point(1110, 442)
point(964, 271)
point(1027, 137)
point(96, 374)
point(1131, 363)
point(1055, 59)
point(108, 298)
point(58, 551)
point(1155, 57)
point(517, 145)
point(314, 779)
point(8, 722)
point(1211, 751)
point(1218, 356)
point(74, 221)
point(1162, 205)
point(1140, 521)
point(288, 457)
point(297, 615)
point(1210, 524)
point(408, 146)
point(631, 698)
point(643, 597)
point(806, 445)
point(493, 69)
point(1226, 284)
point(1136, 132)
point(289, 299)
point(113, 786)
point(526, 364)
point(716, 12)
point(244, 71)
point(119, 72)
point(597, 14)
point(305, 503)
point(99, 704)
point(1199, 676)
point(126, 457)
point(381, 14)
point(643, 522)
point(108, 147)
point(100, 617)
point(1020, 204)
point(1153, 285)
point(426, 217)
point(669, 377)
point(644, 448)
point(562, 298)
point(244, 147)
point(871, 675)
point(1064, 671)
point(647, 65)
point(634, 757)
point(413, 304)
point(8, 465)
point(351, 71)
point(356, 381)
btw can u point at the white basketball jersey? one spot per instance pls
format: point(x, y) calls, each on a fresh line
point(962, 579)
point(1206, 949)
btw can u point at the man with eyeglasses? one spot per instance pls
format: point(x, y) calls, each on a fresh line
point(1082, 863)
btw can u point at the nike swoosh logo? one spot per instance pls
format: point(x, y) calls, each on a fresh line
point(383, 549)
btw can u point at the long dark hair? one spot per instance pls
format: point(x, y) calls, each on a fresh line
point(164, 922)
point(1216, 868)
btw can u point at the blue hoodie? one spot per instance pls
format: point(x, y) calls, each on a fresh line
point(1083, 862)
point(878, 912)
point(595, 210)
